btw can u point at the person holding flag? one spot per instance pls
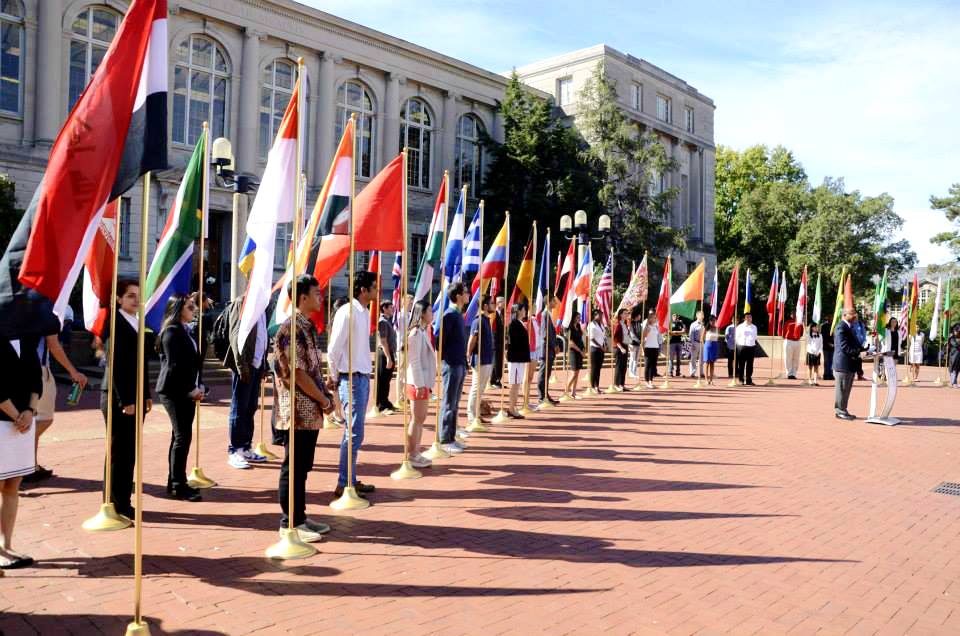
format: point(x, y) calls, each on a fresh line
point(952, 354)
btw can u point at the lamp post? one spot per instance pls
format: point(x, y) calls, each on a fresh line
point(221, 158)
point(577, 226)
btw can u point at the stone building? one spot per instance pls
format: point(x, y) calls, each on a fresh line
point(678, 113)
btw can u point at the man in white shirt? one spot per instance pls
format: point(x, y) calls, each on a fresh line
point(696, 334)
point(746, 345)
point(346, 354)
point(597, 342)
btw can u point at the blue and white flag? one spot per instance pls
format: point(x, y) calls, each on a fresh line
point(452, 263)
point(473, 246)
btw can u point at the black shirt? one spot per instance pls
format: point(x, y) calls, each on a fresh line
point(677, 325)
point(20, 376)
point(518, 342)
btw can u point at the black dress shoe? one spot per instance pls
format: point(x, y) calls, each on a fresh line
point(186, 493)
point(339, 492)
point(129, 512)
point(365, 489)
point(39, 474)
point(17, 563)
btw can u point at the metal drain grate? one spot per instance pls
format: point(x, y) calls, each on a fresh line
point(948, 488)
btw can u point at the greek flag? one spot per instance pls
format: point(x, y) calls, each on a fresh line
point(473, 246)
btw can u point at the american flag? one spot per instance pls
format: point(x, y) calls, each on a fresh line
point(396, 273)
point(604, 294)
point(904, 325)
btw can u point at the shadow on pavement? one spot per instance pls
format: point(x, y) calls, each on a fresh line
point(12, 623)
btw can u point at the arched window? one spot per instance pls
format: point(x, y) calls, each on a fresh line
point(93, 31)
point(201, 88)
point(468, 155)
point(11, 56)
point(353, 97)
point(416, 134)
point(275, 93)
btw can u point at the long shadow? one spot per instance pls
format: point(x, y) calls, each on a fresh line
point(577, 479)
point(12, 623)
point(929, 421)
point(313, 581)
point(567, 513)
point(594, 454)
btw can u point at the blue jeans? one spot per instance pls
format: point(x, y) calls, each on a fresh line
point(357, 408)
point(452, 377)
point(244, 400)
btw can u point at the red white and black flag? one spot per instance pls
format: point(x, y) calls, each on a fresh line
point(116, 132)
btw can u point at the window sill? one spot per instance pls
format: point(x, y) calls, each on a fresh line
point(11, 116)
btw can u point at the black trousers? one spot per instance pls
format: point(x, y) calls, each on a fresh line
point(305, 445)
point(745, 364)
point(596, 364)
point(384, 377)
point(543, 376)
point(181, 412)
point(123, 458)
point(650, 357)
point(729, 364)
point(497, 373)
point(619, 367)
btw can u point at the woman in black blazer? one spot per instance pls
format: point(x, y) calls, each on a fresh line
point(124, 378)
point(179, 388)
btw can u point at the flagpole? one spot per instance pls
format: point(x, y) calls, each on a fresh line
point(503, 416)
point(374, 411)
point(406, 470)
point(773, 344)
point(108, 518)
point(545, 359)
point(566, 353)
point(197, 479)
point(525, 410)
point(733, 381)
point(138, 626)
point(261, 448)
point(435, 451)
point(477, 426)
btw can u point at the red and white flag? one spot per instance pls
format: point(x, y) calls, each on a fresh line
point(604, 294)
point(564, 278)
point(115, 133)
point(98, 272)
point(663, 301)
point(802, 299)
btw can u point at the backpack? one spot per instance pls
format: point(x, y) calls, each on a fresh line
point(221, 333)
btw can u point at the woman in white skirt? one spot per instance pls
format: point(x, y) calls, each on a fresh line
point(518, 356)
point(915, 355)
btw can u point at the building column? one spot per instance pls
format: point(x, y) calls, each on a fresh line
point(391, 117)
point(326, 111)
point(247, 131)
point(701, 198)
point(238, 235)
point(448, 134)
point(49, 101)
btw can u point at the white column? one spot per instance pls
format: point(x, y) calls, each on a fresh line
point(447, 135)
point(391, 118)
point(238, 234)
point(327, 108)
point(50, 102)
point(248, 128)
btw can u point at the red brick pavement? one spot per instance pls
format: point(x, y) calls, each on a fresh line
point(741, 511)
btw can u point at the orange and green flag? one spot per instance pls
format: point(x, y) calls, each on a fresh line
point(684, 301)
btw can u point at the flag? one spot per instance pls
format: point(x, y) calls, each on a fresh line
point(838, 304)
point(935, 320)
point(172, 266)
point(564, 276)
point(782, 303)
point(98, 272)
point(274, 204)
point(115, 133)
point(434, 246)
point(748, 294)
point(880, 306)
point(729, 310)
point(904, 326)
point(603, 296)
point(452, 261)
point(523, 289)
point(848, 293)
point(495, 263)
point(396, 274)
point(636, 293)
point(817, 304)
point(714, 292)
point(945, 330)
point(543, 282)
point(374, 267)
point(684, 300)
point(473, 245)
point(245, 262)
point(802, 299)
point(772, 302)
point(663, 302)
point(914, 304)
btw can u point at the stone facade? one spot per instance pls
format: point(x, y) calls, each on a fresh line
point(681, 116)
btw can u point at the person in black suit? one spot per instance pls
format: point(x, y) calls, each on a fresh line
point(123, 375)
point(846, 357)
point(498, 338)
point(179, 388)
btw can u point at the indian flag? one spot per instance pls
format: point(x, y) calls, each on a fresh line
point(434, 248)
point(684, 301)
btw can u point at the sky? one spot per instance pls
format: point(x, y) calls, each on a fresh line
point(866, 91)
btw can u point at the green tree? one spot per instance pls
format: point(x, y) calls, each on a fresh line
point(9, 214)
point(950, 205)
point(630, 160)
point(538, 172)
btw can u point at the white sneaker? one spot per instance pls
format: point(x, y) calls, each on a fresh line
point(452, 449)
point(250, 456)
point(316, 526)
point(236, 460)
point(419, 461)
point(460, 444)
point(306, 534)
point(462, 432)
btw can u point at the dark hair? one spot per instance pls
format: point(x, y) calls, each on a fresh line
point(485, 300)
point(123, 284)
point(171, 316)
point(455, 290)
point(363, 280)
point(340, 302)
point(517, 308)
point(595, 314)
point(711, 320)
point(385, 304)
point(305, 283)
point(893, 319)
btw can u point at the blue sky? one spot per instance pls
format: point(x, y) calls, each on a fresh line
point(867, 91)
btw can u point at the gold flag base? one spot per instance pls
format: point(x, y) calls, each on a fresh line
point(501, 417)
point(733, 382)
point(372, 413)
point(476, 426)
point(198, 480)
point(566, 397)
point(665, 385)
point(769, 382)
point(290, 546)
point(262, 450)
point(907, 382)
point(610, 389)
point(699, 384)
point(106, 520)
point(525, 410)
point(406, 471)
point(546, 405)
point(938, 381)
point(329, 424)
point(138, 628)
point(553, 379)
point(592, 391)
point(435, 452)
point(350, 500)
